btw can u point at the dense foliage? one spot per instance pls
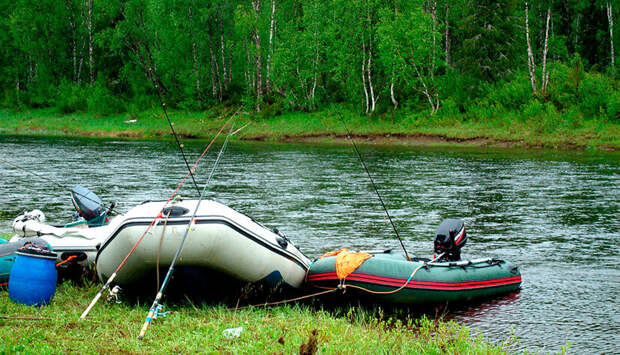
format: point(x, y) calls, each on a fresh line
point(459, 58)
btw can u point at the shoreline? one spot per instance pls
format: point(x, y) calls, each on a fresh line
point(312, 128)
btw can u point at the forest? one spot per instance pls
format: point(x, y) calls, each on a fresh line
point(469, 59)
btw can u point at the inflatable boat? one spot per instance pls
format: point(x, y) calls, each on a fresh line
point(220, 240)
point(78, 238)
point(391, 278)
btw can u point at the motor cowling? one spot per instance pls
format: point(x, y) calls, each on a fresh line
point(450, 237)
point(87, 204)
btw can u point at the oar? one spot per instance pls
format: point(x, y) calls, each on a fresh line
point(160, 294)
point(120, 266)
point(373, 185)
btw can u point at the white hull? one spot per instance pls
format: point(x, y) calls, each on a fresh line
point(65, 241)
point(220, 239)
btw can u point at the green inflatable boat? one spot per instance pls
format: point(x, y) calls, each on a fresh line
point(390, 277)
point(383, 276)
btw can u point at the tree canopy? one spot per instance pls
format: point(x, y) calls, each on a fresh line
point(289, 55)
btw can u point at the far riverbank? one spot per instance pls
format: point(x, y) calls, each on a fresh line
point(322, 127)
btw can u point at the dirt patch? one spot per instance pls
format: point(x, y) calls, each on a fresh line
point(380, 139)
point(309, 347)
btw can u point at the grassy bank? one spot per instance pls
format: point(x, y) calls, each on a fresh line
point(113, 328)
point(509, 129)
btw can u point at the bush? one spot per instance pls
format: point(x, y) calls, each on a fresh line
point(512, 94)
point(70, 97)
point(594, 92)
point(613, 107)
point(533, 109)
point(102, 101)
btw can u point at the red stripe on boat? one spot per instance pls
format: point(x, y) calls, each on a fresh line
point(385, 281)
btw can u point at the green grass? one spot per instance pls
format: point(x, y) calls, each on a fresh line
point(113, 328)
point(548, 130)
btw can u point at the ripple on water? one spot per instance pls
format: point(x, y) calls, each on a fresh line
point(554, 214)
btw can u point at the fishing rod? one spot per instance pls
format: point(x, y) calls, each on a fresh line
point(163, 106)
point(53, 182)
point(159, 216)
point(373, 185)
point(154, 307)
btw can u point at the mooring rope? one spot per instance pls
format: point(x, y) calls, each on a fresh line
point(344, 286)
point(267, 304)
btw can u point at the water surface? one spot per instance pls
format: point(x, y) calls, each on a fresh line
point(553, 213)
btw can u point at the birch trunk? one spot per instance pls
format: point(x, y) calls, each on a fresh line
point(530, 55)
point(393, 74)
point(447, 34)
point(270, 51)
point(72, 28)
point(91, 60)
point(223, 53)
point(364, 74)
point(610, 19)
point(545, 75)
point(315, 67)
point(373, 100)
point(259, 72)
point(194, 51)
point(434, 17)
point(392, 97)
point(213, 70)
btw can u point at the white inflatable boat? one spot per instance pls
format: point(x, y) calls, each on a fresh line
point(78, 238)
point(220, 239)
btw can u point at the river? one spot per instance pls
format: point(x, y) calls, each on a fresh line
point(555, 214)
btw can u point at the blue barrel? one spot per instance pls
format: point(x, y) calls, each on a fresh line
point(33, 277)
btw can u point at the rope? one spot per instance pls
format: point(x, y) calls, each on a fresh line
point(286, 301)
point(344, 286)
point(66, 260)
point(161, 240)
point(385, 292)
point(25, 318)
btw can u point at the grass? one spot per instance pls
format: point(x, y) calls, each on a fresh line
point(548, 130)
point(113, 328)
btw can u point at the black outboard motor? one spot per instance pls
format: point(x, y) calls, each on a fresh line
point(87, 203)
point(450, 238)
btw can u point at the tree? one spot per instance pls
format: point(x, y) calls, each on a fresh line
point(408, 43)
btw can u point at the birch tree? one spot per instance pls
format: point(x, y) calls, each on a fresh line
point(610, 20)
point(408, 39)
point(530, 54)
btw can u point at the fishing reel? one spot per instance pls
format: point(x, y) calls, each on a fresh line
point(450, 237)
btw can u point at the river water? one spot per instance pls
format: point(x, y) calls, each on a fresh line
point(556, 214)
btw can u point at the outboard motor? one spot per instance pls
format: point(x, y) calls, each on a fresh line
point(88, 205)
point(450, 237)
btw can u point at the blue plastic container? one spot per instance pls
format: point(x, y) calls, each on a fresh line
point(33, 277)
